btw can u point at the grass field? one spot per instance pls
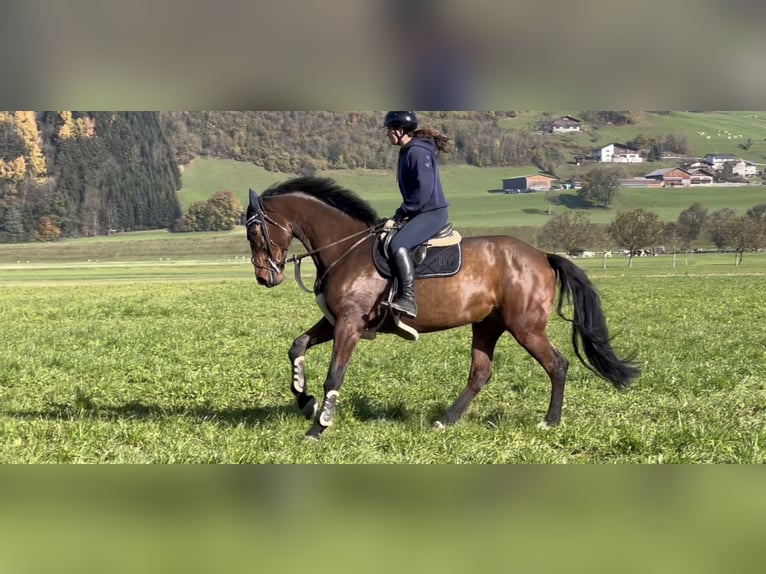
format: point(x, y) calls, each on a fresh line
point(473, 194)
point(168, 362)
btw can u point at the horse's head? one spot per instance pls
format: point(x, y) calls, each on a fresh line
point(269, 241)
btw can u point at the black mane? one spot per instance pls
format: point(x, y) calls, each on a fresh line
point(329, 192)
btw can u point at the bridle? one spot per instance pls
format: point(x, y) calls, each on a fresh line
point(261, 218)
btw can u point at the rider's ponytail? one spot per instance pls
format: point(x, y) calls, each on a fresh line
point(442, 142)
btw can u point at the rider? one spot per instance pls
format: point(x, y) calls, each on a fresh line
point(424, 208)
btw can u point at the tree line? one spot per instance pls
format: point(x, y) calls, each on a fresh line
point(638, 229)
point(304, 142)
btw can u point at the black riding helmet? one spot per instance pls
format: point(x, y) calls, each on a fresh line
point(406, 121)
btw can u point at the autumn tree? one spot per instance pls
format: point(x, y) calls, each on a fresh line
point(569, 231)
point(219, 213)
point(740, 233)
point(600, 185)
point(757, 212)
point(227, 209)
point(26, 124)
point(747, 234)
point(636, 229)
point(719, 226)
point(46, 230)
point(690, 224)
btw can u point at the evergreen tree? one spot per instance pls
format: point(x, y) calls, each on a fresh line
point(12, 230)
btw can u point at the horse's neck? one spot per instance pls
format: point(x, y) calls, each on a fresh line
point(317, 225)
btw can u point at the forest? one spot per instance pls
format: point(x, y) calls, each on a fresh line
point(69, 174)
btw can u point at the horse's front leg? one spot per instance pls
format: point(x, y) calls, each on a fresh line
point(346, 336)
point(318, 334)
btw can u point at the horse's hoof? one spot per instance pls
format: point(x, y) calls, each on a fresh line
point(545, 425)
point(314, 434)
point(309, 408)
point(438, 425)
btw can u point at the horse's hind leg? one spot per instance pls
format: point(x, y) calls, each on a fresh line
point(485, 336)
point(319, 333)
point(555, 364)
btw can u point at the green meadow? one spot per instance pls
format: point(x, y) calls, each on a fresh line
point(474, 194)
point(186, 362)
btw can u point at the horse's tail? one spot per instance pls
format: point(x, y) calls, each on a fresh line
point(589, 324)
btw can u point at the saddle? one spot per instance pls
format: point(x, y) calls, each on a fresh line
point(440, 256)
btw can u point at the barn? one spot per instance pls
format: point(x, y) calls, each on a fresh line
point(527, 183)
point(671, 177)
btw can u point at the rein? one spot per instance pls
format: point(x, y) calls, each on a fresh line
point(261, 218)
point(297, 259)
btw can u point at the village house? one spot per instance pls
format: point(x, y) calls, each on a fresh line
point(717, 160)
point(618, 153)
point(565, 124)
point(739, 167)
point(700, 176)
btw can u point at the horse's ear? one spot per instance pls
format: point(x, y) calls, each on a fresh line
point(253, 199)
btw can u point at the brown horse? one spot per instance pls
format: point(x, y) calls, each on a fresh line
point(503, 285)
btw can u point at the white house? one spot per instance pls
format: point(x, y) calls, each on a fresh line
point(716, 160)
point(618, 153)
point(738, 166)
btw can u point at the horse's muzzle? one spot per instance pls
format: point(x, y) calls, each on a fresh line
point(262, 281)
point(272, 279)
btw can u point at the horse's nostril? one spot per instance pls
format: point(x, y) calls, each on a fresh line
point(261, 280)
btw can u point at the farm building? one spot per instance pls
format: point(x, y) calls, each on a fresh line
point(565, 124)
point(618, 153)
point(671, 177)
point(537, 182)
point(640, 182)
point(701, 176)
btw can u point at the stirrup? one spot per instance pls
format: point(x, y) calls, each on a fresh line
point(411, 312)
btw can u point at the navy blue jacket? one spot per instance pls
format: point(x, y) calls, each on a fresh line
point(418, 177)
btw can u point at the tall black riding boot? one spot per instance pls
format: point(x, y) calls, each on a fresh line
point(405, 273)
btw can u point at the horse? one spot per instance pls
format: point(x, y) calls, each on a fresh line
point(503, 285)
